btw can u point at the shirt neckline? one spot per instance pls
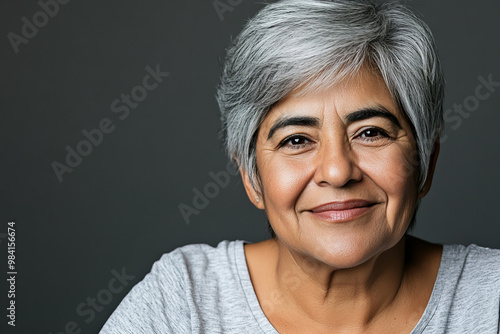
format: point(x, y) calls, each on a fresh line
point(267, 327)
point(436, 294)
point(250, 295)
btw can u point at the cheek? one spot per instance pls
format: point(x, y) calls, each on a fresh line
point(283, 180)
point(393, 170)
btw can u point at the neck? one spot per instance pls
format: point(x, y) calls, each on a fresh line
point(338, 298)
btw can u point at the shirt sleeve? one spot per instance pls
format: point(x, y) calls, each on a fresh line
point(157, 304)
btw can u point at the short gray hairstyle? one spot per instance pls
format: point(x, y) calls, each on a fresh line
point(313, 44)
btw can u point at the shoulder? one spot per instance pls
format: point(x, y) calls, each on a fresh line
point(179, 283)
point(195, 254)
point(196, 262)
point(190, 261)
point(473, 261)
point(466, 295)
point(472, 269)
point(198, 266)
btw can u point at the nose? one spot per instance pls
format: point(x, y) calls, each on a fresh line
point(336, 165)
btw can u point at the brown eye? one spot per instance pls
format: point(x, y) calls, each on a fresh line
point(298, 141)
point(370, 133)
point(373, 134)
point(295, 142)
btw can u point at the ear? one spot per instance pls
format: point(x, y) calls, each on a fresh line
point(253, 195)
point(432, 167)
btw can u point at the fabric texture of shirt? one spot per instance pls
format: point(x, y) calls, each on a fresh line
point(203, 289)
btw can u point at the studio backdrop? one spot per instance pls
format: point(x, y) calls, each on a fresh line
point(110, 154)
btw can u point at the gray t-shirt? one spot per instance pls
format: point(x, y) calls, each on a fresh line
point(204, 289)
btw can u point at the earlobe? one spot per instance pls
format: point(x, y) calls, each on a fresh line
point(432, 167)
point(252, 194)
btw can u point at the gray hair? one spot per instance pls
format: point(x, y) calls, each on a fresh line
point(313, 44)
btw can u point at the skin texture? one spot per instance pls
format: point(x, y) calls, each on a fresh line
point(342, 270)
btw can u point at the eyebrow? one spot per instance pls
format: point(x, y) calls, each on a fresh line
point(291, 121)
point(355, 116)
point(367, 113)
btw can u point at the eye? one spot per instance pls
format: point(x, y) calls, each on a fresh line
point(294, 142)
point(373, 134)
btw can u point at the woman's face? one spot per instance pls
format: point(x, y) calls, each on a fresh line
point(337, 182)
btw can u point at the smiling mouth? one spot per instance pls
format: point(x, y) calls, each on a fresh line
point(337, 212)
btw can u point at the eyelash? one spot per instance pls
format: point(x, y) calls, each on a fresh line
point(295, 136)
point(381, 134)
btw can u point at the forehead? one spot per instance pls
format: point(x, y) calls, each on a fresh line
point(363, 90)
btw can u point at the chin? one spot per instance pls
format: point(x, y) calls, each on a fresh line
point(348, 250)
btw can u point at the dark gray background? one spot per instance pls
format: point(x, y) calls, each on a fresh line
point(119, 207)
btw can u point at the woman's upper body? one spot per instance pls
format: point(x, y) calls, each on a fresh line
point(332, 111)
point(204, 289)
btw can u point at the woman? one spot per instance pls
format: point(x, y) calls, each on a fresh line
point(332, 111)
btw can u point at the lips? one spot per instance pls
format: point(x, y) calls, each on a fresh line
point(342, 211)
point(346, 205)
